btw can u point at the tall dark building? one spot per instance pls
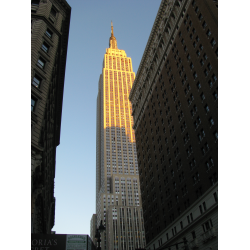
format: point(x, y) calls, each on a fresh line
point(175, 110)
point(50, 21)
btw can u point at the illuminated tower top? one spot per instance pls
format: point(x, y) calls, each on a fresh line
point(112, 39)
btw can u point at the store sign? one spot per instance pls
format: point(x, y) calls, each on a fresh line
point(60, 242)
point(76, 242)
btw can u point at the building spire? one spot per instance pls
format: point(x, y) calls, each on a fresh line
point(112, 39)
point(112, 31)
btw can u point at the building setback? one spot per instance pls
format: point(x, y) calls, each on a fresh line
point(50, 21)
point(93, 227)
point(175, 109)
point(118, 202)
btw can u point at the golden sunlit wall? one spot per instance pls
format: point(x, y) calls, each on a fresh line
point(118, 78)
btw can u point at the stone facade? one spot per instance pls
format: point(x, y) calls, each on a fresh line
point(175, 109)
point(49, 40)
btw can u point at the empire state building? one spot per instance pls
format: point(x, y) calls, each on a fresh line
point(118, 199)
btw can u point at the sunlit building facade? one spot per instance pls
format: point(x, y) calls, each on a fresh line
point(118, 202)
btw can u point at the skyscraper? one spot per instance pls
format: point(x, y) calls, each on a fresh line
point(175, 110)
point(118, 201)
point(50, 21)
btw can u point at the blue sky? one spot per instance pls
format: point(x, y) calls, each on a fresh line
point(90, 29)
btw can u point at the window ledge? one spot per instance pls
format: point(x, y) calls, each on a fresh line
point(48, 40)
point(44, 54)
point(36, 93)
point(41, 69)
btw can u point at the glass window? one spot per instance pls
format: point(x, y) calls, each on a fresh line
point(49, 33)
point(36, 80)
point(35, 2)
point(208, 33)
point(33, 103)
point(45, 47)
point(204, 25)
point(41, 63)
point(53, 11)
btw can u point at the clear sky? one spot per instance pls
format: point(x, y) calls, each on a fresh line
point(90, 29)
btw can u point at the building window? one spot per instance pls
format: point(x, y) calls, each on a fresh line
point(36, 81)
point(204, 25)
point(193, 235)
point(209, 66)
point(216, 135)
point(204, 206)
point(49, 33)
point(210, 83)
point(41, 63)
point(45, 47)
point(207, 225)
point(202, 96)
point(53, 11)
point(214, 78)
point(215, 95)
point(33, 103)
point(215, 197)
point(198, 85)
point(200, 207)
point(213, 42)
point(211, 121)
point(208, 33)
point(35, 2)
point(200, 17)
